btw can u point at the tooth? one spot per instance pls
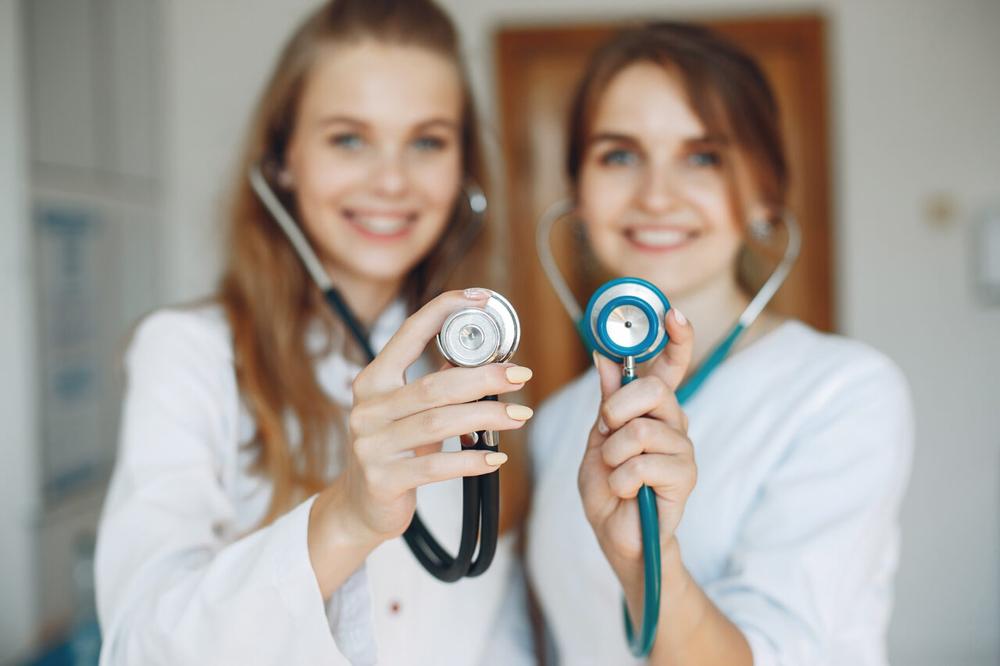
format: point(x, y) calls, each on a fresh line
point(379, 225)
point(664, 237)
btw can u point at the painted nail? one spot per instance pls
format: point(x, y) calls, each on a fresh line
point(517, 374)
point(496, 459)
point(679, 316)
point(602, 427)
point(519, 412)
point(476, 294)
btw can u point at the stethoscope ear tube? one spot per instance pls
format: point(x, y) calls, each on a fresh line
point(480, 494)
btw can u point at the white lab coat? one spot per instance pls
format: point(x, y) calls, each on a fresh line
point(183, 575)
point(803, 444)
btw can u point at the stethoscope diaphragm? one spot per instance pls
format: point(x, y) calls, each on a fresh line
point(625, 318)
point(475, 336)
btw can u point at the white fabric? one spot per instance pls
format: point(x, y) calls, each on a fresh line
point(803, 444)
point(183, 576)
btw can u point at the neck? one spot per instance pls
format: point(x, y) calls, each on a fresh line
point(713, 309)
point(365, 297)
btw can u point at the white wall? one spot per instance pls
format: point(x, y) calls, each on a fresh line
point(19, 493)
point(916, 112)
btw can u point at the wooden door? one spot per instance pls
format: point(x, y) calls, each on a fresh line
point(537, 70)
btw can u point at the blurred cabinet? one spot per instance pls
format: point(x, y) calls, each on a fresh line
point(91, 85)
point(537, 69)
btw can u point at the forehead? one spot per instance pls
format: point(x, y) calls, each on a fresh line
point(382, 83)
point(648, 101)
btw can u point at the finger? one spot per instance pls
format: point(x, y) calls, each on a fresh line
point(672, 365)
point(647, 396)
point(609, 373)
point(664, 473)
point(644, 435)
point(441, 423)
point(406, 346)
point(409, 473)
point(447, 387)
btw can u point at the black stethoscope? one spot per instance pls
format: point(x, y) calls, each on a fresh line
point(470, 337)
point(624, 322)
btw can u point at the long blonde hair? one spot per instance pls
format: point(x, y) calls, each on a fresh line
point(269, 300)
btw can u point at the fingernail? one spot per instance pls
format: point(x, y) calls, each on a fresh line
point(602, 427)
point(496, 459)
point(517, 374)
point(593, 355)
point(519, 412)
point(476, 294)
point(679, 316)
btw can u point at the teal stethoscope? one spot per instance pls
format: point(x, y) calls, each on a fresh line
point(624, 322)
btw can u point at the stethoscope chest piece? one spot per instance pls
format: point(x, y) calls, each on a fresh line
point(472, 337)
point(624, 318)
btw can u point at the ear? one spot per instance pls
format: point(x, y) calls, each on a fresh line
point(285, 178)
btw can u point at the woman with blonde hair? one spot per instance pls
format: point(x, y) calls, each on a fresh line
point(264, 478)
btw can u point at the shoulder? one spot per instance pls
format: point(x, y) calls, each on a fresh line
point(186, 351)
point(825, 367)
point(198, 333)
point(844, 402)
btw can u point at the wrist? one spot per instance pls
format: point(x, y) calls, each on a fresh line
point(338, 539)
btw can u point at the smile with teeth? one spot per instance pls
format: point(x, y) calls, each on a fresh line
point(660, 238)
point(380, 224)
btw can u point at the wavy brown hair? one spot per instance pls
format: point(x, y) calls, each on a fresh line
point(268, 297)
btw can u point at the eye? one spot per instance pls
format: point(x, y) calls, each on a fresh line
point(704, 158)
point(429, 143)
point(619, 157)
point(347, 141)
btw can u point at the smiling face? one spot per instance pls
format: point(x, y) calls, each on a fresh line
point(375, 159)
point(652, 190)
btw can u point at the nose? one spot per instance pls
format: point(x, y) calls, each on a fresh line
point(391, 177)
point(656, 192)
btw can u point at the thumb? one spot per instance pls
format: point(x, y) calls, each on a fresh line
point(609, 373)
point(672, 365)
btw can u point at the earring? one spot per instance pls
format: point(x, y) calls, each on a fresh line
point(761, 229)
point(475, 197)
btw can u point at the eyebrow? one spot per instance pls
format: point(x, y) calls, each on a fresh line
point(619, 137)
point(430, 123)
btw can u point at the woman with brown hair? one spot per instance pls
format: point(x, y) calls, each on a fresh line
point(264, 478)
point(788, 543)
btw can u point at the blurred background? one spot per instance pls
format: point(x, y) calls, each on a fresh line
point(119, 123)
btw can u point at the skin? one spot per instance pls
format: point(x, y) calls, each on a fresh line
point(378, 152)
point(375, 165)
point(657, 203)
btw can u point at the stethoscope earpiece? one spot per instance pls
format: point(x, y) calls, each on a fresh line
point(625, 318)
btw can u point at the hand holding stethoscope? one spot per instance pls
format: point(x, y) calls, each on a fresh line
point(639, 438)
point(396, 428)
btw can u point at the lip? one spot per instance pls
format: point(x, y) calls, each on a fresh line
point(380, 225)
point(660, 239)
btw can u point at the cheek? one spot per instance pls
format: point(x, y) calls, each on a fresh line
point(603, 200)
point(717, 209)
point(439, 182)
point(322, 184)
